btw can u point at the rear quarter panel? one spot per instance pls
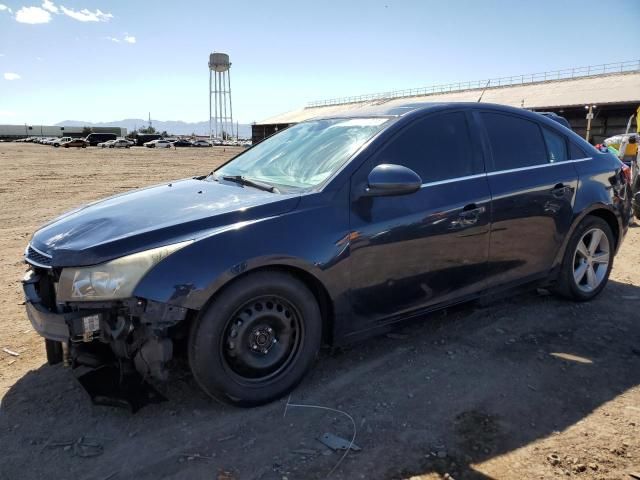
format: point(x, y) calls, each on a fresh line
point(600, 187)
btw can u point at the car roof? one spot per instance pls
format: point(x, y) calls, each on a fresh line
point(403, 109)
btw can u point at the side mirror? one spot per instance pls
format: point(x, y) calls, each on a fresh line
point(389, 179)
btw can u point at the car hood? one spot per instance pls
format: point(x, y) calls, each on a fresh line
point(152, 217)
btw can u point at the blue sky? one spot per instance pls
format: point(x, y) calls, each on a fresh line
point(101, 60)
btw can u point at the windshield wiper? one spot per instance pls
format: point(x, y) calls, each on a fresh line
point(242, 180)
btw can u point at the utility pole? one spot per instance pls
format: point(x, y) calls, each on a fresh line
point(589, 117)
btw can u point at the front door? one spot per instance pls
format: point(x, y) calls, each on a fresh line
point(414, 251)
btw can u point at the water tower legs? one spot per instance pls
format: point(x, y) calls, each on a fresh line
point(220, 108)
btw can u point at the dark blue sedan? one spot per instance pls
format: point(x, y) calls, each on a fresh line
point(329, 231)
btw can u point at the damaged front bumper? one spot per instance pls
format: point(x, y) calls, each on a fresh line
point(138, 330)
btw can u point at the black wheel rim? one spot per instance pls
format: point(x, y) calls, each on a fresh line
point(262, 339)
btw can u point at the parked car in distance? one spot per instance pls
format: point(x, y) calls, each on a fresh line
point(158, 144)
point(75, 142)
point(329, 231)
point(122, 142)
point(182, 143)
point(118, 143)
point(142, 138)
point(58, 141)
point(95, 138)
point(201, 143)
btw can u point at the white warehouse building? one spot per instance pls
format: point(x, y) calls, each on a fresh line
point(13, 132)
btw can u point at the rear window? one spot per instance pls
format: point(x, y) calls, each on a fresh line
point(556, 146)
point(575, 152)
point(515, 142)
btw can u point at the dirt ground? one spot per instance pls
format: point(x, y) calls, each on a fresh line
point(528, 387)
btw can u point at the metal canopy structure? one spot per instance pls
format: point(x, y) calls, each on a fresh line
point(613, 87)
point(513, 80)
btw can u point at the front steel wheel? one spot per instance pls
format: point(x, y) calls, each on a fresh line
point(256, 339)
point(262, 338)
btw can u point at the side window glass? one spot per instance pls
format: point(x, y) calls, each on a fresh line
point(437, 147)
point(515, 142)
point(575, 152)
point(556, 146)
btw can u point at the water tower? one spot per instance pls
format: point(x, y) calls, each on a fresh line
point(220, 110)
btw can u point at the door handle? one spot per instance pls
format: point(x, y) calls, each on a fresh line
point(559, 190)
point(471, 213)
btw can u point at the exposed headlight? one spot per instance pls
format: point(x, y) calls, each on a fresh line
point(112, 280)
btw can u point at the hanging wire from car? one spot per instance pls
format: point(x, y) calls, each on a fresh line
point(320, 407)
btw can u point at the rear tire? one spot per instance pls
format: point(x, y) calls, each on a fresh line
point(256, 339)
point(54, 351)
point(587, 261)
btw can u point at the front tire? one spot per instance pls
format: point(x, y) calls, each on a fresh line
point(256, 339)
point(587, 261)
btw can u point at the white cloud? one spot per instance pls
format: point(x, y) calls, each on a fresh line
point(33, 15)
point(7, 113)
point(4, 7)
point(85, 15)
point(43, 13)
point(11, 76)
point(126, 38)
point(49, 5)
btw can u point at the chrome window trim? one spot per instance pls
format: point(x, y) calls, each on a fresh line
point(451, 180)
point(534, 167)
point(500, 172)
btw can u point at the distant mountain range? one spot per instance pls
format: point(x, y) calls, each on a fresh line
point(172, 127)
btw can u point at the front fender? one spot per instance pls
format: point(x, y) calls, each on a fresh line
point(312, 238)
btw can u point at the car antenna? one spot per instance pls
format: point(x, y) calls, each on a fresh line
point(483, 90)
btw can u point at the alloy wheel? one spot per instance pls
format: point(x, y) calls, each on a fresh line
point(591, 260)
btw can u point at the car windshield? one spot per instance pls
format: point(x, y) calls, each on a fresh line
point(306, 154)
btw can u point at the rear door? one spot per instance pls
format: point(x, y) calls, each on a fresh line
point(414, 251)
point(533, 187)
